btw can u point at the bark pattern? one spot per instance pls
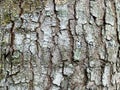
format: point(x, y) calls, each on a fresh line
point(61, 45)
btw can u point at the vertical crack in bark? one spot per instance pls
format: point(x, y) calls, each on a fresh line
point(31, 82)
point(38, 46)
point(75, 10)
point(21, 12)
point(74, 6)
point(104, 17)
point(86, 77)
point(2, 56)
point(55, 8)
point(20, 6)
point(106, 52)
point(104, 28)
point(57, 19)
point(71, 41)
point(22, 60)
point(12, 38)
point(118, 53)
point(101, 35)
point(87, 47)
point(86, 61)
point(10, 52)
point(57, 27)
point(71, 37)
point(116, 20)
point(49, 72)
point(117, 33)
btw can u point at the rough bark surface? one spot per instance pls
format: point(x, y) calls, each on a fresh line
point(61, 45)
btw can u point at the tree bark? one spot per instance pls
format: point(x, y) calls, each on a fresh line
point(60, 45)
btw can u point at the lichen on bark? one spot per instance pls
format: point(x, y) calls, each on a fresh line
point(59, 45)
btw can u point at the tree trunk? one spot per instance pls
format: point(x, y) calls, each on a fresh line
point(60, 45)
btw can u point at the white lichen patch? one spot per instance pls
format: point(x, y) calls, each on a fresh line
point(58, 78)
point(77, 54)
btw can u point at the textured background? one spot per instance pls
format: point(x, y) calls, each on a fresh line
point(60, 45)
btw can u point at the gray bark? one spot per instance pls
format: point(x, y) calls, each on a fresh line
point(61, 45)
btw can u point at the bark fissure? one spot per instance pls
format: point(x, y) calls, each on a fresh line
point(21, 12)
point(71, 40)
